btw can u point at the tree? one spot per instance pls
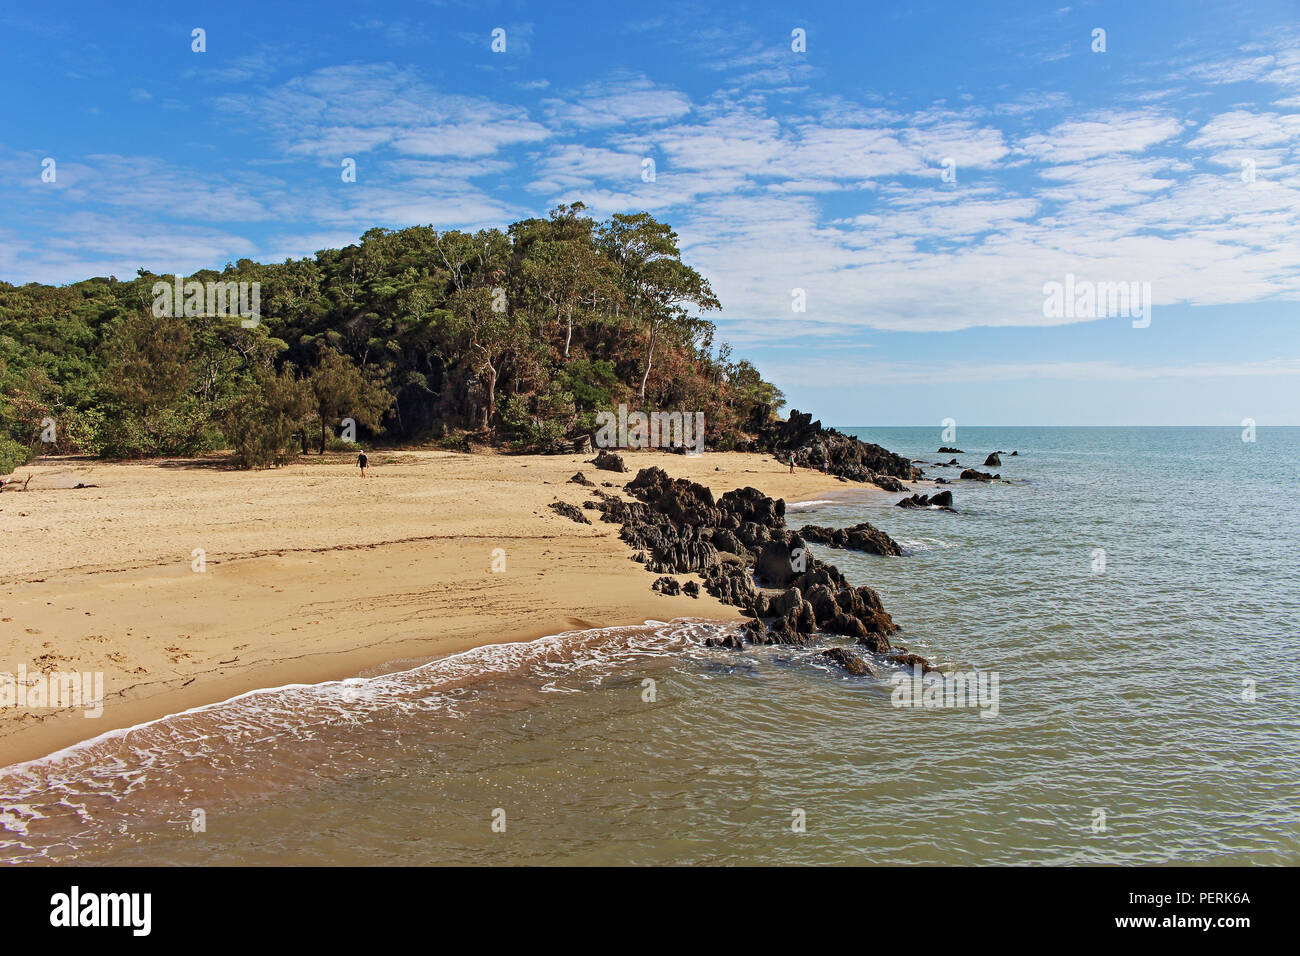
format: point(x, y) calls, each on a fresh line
point(656, 284)
point(339, 390)
point(269, 418)
point(488, 332)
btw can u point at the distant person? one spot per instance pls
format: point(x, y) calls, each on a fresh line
point(792, 463)
point(362, 462)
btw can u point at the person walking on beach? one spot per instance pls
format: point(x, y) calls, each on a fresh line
point(792, 463)
point(362, 461)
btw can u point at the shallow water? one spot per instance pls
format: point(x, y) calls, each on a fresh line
point(1120, 690)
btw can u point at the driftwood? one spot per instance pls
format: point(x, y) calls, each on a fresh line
point(14, 481)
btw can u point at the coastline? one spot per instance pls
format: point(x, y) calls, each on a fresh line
point(312, 574)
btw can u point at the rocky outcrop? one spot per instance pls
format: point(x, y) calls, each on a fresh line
point(667, 585)
point(581, 479)
point(973, 475)
point(945, 450)
point(608, 461)
point(942, 499)
point(903, 658)
point(829, 450)
point(749, 559)
point(855, 664)
point(861, 537)
point(993, 461)
point(572, 512)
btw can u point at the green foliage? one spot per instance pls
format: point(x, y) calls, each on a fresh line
point(265, 426)
point(13, 454)
point(520, 335)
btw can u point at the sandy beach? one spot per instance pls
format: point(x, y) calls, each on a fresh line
point(310, 573)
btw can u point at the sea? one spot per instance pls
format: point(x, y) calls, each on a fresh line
point(1129, 596)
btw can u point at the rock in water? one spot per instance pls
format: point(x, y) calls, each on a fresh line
point(826, 449)
point(993, 461)
point(974, 475)
point(851, 662)
point(861, 537)
point(676, 526)
point(941, 500)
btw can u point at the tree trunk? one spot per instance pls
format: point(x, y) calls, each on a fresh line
point(569, 336)
point(491, 408)
point(649, 358)
point(322, 434)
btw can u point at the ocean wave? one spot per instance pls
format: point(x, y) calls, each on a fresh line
point(804, 505)
point(920, 545)
point(264, 741)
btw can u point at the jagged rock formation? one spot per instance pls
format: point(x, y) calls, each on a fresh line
point(608, 461)
point(572, 512)
point(942, 499)
point(739, 542)
point(861, 537)
point(851, 662)
point(832, 451)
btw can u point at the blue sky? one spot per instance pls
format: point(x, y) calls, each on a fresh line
point(819, 170)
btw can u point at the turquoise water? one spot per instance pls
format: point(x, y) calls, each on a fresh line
point(1125, 690)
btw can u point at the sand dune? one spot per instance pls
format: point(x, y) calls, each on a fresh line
point(309, 573)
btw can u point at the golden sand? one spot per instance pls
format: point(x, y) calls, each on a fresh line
point(309, 572)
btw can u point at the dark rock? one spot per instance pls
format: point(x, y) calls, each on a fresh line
point(992, 461)
point(677, 526)
point(861, 537)
point(667, 585)
point(888, 482)
point(572, 512)
point(973, 475)
point(826, 449)
point(725, 540)
point(903, 658)
point(1014, 453)
point(942, 499)
point(851, 662)
point(732, 641)
point(945, 450)
point(608, 461)
point(774, 566)
point(581, 479)
point(692, 588)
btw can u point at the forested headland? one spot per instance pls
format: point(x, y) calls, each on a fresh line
point(517, 338)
